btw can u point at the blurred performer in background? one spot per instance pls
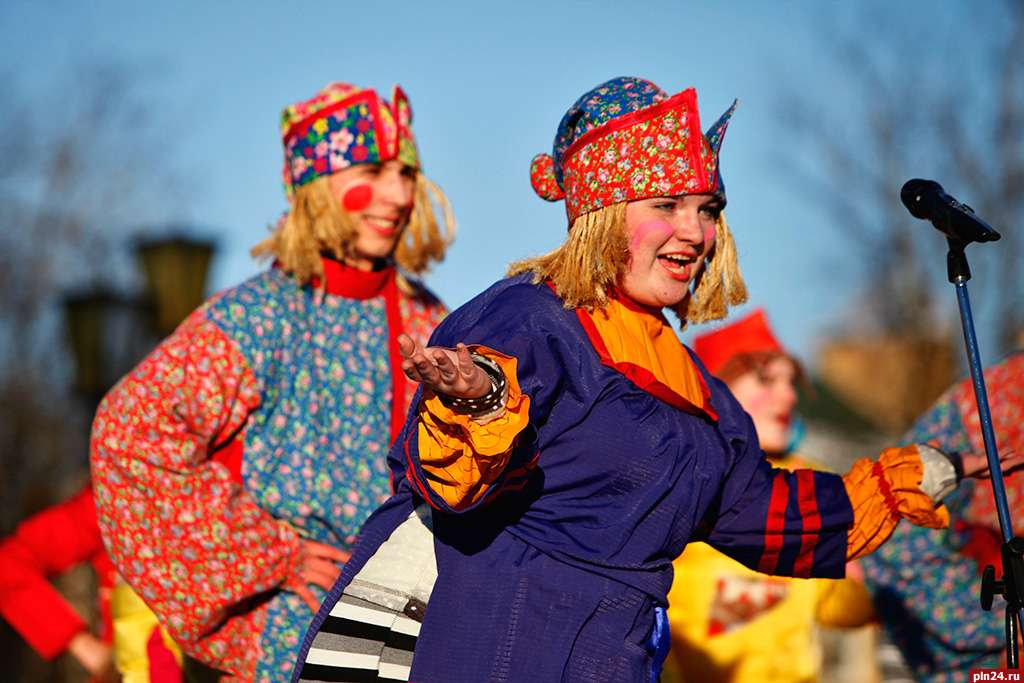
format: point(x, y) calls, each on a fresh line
point(234, 466)
point(926, 583)
point(130, 646)
point(730, 623)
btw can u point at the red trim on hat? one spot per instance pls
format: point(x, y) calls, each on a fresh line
point(398, 95)
point(301, 127)
point(750, 334)
point(689, 96)
point(696, 141)
point(378, 126)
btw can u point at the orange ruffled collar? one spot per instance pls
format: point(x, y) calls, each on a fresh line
point(640, 344)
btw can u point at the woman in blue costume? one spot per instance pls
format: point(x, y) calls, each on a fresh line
point(575, 446)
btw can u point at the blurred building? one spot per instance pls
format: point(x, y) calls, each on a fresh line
point(889, 381)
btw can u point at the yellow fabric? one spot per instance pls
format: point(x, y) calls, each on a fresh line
point(133, 626)
point(462, 457)
point(776, 645)
point(845, 603)
point(875, 517)
point(647, 340)
point(732, 624)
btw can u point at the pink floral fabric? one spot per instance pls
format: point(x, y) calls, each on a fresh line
point(299, 384)
point(194, 556)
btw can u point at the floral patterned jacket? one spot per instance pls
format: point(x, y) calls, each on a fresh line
point(263, 419)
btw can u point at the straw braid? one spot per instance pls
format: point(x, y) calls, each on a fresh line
point(721, 283)
point(586, 267)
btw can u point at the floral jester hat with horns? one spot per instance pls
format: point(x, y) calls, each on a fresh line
point(622, 141)
point(627, 139)
point(343, 125)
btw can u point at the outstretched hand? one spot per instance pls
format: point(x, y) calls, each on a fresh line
point(976, 464)
point(318, 567)
point(445, 371)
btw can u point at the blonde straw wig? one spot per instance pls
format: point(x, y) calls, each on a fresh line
point(587, 266)
point(317, 224)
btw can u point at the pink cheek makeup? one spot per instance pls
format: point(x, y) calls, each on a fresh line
point(709, 236)
point(357, 197)
point(656, 226)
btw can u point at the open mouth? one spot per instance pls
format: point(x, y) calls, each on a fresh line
point(677, 265)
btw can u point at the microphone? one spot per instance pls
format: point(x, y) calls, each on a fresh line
point(925, 199)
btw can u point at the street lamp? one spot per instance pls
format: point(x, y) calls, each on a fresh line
point(175, 268)
point(110, 331)
point(92, 316)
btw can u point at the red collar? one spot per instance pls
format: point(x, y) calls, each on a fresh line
point(352, 283)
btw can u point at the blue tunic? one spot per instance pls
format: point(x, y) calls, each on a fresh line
point(556, 572)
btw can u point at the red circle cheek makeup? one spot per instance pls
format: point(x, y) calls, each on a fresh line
point(357, 197)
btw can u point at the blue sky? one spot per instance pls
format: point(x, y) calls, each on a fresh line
point(488, 84)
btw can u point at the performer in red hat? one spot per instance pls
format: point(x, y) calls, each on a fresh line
point(234, 466)
point(570, 446)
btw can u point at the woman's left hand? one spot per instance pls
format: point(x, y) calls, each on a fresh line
point(447, 371)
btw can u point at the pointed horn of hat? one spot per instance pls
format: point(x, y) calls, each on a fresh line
point(400, 103)
point(716, 132)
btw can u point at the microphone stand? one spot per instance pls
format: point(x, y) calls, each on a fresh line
point(1011, 586)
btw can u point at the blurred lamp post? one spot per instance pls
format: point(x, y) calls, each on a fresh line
point(175, 270)
point(109, 332)
point(88, 315)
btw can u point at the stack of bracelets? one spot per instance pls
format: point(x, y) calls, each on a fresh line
point(489, 403)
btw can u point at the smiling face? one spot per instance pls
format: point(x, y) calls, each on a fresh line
point(768, 394)
point(379, 198)
point(669, 239)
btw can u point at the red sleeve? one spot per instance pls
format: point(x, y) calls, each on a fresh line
point(182, 533)
point(49, 543)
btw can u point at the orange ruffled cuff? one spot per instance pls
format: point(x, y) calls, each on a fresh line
point(882, 493)
point(461, 457)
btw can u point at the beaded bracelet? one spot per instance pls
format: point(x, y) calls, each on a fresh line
point(489, 402)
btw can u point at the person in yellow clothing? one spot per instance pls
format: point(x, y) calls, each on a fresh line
point(143, 651)
point(728, 622)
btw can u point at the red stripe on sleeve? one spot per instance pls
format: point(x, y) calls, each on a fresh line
point(775, 524)
point(808, 503)
point(410, 471)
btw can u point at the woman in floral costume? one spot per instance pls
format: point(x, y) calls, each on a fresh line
point(576, 446)
point(233, 467)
